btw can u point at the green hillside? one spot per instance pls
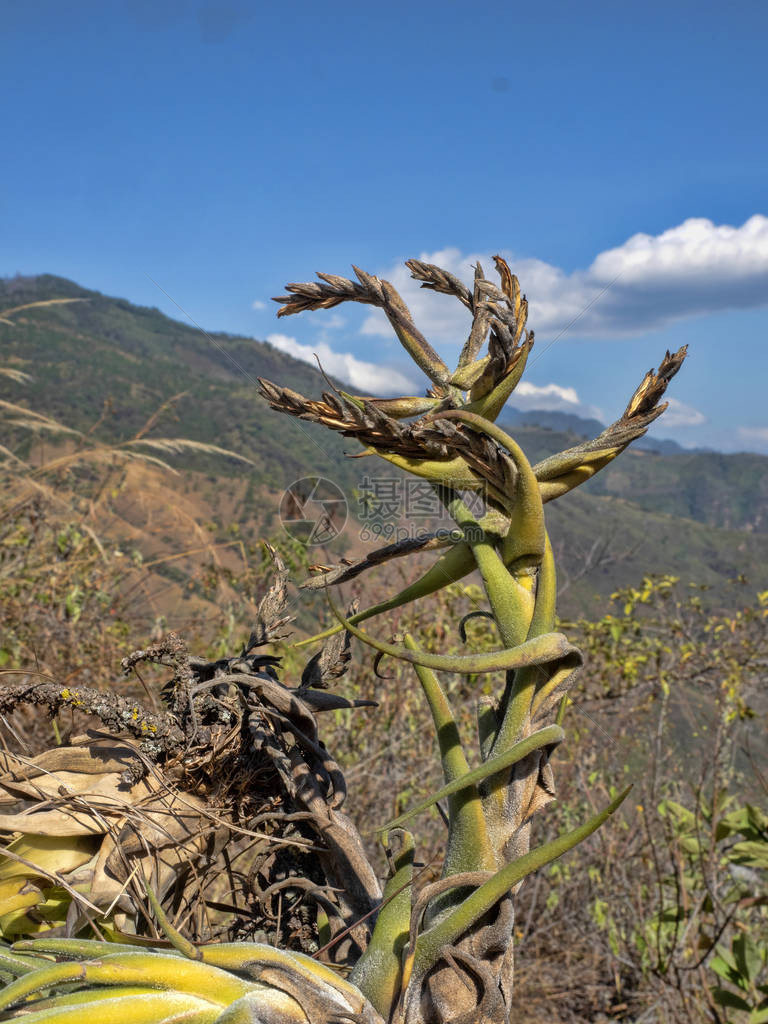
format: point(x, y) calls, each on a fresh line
point(701, 516)
point(721, 490)
point(81, 354)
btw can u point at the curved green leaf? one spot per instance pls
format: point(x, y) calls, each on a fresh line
point(378, 972)
point(448, 931)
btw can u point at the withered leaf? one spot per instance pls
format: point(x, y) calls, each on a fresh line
point(331, 661)
point(270, 617)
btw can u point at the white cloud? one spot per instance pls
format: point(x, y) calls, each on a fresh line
point(367, 378)
point(681, 415)
point(439, 317)
point(552, 398)
point(334, 322)
point(258, 304)
point(756, 433)
point(755, 438)
point(644, 284)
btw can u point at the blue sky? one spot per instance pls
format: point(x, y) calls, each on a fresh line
point(615, 154)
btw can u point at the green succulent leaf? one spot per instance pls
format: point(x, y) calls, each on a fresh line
point(157, 970)
point(126, 1006)
point(378, 973)
point(537, 651)
point(450, 929)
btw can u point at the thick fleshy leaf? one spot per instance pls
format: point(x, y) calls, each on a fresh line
point(468, 847)
point(157, 970)
point(537, 651)
point(378, 972)
point(129, 1006)
point(430, 944)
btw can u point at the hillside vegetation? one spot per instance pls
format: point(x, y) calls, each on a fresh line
point(699, 514)
point(104, 549)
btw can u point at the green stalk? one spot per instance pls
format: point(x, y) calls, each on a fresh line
point(524, 542)
point(517, 705)
point(468, 848)
point(510, 601)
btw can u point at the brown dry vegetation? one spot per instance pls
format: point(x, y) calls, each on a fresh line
point(100, 557)
point(73, 607)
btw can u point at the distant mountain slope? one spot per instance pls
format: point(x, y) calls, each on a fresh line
point(560, 422)
point(84, 353)
point(568, 423)
point(699, 515)
point(729, 491)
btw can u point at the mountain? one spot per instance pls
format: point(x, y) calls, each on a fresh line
point(729, 491)
point(569, 423)
point(559, 422)
point(85, 353)
point(699, 515)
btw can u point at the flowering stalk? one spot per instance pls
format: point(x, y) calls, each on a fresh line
point(446, 954)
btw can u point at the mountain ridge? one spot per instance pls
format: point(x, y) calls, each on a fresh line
point(107, 349)
point(568, 422)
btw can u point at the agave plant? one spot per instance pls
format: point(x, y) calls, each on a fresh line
point(443, 952)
